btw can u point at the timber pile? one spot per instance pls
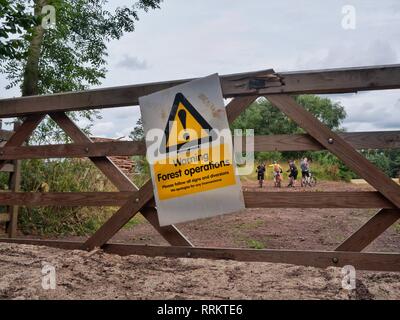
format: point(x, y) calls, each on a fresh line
point(125, 163)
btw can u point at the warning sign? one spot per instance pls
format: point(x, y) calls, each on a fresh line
point(185, 126)
point(189, 148)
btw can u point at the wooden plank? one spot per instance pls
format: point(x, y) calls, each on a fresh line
point(15, 182)
point(237, 106)
point(295, 142)
point(25, 130)
point(335, 144)
point(232, 85)
point(339, 80)
point(73, 150)
point(370, 230)
point(69, 199)
point(353, 199)
point(14, 185)
point(321, 259)
point(251, 83)
point(304, 142)
point(373, 140)
point(120, 218)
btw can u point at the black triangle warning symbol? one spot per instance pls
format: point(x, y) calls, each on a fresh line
point(186, 127)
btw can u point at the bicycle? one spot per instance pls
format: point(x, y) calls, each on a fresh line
point(278, 180)
point(260, 181)
point(309, 180)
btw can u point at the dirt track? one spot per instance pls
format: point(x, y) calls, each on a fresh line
point(112, 277)
point(103, 276)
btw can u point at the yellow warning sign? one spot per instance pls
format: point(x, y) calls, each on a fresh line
point(185, 127)
point(194, 172)
point(190, 152)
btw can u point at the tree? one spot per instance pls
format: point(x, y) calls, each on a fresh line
point(266, 119)
point(137, 134)
point(14, 23)
point(69, 56)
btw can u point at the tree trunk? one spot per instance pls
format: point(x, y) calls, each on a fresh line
point(31, 72)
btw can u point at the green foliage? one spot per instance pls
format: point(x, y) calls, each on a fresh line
point(62, 176)
point(397, 228)
point(268, 156)
point(137, 134)
point(379, 159)
point(328, 112)
point(142, 168)
point(255, 244)
point(326, 166)
point(387, 160)
point(72, 55)
point(266, 119)
point(15, 21)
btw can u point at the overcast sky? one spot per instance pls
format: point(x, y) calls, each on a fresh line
point(188, 38)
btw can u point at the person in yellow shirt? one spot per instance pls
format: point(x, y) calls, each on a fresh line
point(277, 171)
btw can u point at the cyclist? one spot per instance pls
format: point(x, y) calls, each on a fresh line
point(293, 173)
point(260, 174)
point(277, 171)
point(305, 169)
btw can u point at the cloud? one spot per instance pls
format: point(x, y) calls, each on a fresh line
point(377, 52)
point(132, 63)
point(372, 110)
point(116, 122)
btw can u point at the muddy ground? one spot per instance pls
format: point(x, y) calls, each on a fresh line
point(102, 276)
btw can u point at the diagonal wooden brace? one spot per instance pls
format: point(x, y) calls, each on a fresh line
point(120, 218)
point(371, 230)
point(119, 179)
point(23, 132)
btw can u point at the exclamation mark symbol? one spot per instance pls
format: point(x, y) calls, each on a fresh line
point(182, 117)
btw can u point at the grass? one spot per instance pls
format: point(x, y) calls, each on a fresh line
point(136, 220)
point(250, 225)
point(255, 244)
point(397, 227)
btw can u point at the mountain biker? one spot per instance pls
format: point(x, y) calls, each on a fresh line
point(305, 168)
point(261, 173)
point(277, 171)
point(293, 173)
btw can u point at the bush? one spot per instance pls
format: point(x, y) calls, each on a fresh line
point(67, 175)
point(327, 166)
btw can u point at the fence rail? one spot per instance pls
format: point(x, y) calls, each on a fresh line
point(294, 142)
point(250, 83)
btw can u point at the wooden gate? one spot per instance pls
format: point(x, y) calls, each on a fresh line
point(244, 89)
